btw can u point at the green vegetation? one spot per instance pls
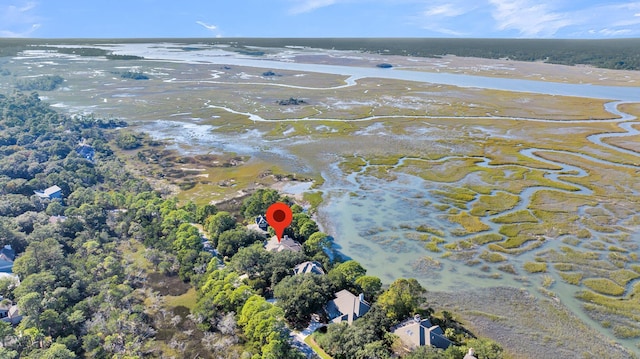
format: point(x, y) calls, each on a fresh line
point(310, 340)
point(470, 223)
point(572, 278)
point(493, 204)
point(492, 257)
point(535, 267)
point(603, 285)
point(40, 83)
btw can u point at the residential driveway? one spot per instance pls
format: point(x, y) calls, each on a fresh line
point(297, 339)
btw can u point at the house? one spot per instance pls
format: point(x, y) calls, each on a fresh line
point(50, 193)
point(286, 244)
point(261, 221)
point(308, 267)
point(417, 332)
point(347, 307)
point(9, 312)
point(86, 151)
point(7, 256)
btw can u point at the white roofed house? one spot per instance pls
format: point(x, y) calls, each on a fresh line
point(417, 332)
point(347, 307)
point(50, 193)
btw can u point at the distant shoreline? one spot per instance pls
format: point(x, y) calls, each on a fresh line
point(622, 54)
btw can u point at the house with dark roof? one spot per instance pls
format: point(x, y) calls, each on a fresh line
point(86, 151)
point(50, 193)
point(308, 267)
point(286, 244)
point(261, 221)
point(7, 256)
point(347, 307)
point(418, 332)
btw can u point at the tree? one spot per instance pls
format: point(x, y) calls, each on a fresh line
point(8, 353)
point(316, 243)
point(231, 240)
point(280, 265)
point(258, 202)
point(485, 348)
point(128, 140)
point(402, 299)
point(221, 291)
point(263, 326)
point(302, 295)
point(302, 226)
point(218, 223)
point(370, 286)
point(203, 212)
point(427, 352)
point(57, 351)
point(250, 260)
point(344, 275)
point(6, 332)
point(367, 337)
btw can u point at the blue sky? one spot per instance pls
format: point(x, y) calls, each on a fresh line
point(320, 18)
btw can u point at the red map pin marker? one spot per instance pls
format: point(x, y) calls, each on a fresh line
point(279, 217)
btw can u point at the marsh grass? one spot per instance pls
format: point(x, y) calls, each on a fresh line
point(492, 204)
point(429, 229)
point(535, 267)
point(508, 268)
point(623, 276)
point(603, 286)
point(563, 267)
point(547, 281)
point(522, 216)
point(352, 164)
point(450, 171)
point(313, 198)
point(432, 247)
point(471, 224)
point(482, 239)
point(571, 277)
point(492, 257)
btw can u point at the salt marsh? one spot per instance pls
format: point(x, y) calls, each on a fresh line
point(465, 183)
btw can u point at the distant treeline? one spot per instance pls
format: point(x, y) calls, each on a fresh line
point(609, 53)
point(612, 53)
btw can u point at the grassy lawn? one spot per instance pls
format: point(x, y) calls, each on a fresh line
point(312, 343)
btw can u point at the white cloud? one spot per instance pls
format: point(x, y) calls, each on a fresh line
point(18, 20)
point(529, 18)
point(448, 10)
point(614, 32)
point(309, 5)
point(207, 26)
